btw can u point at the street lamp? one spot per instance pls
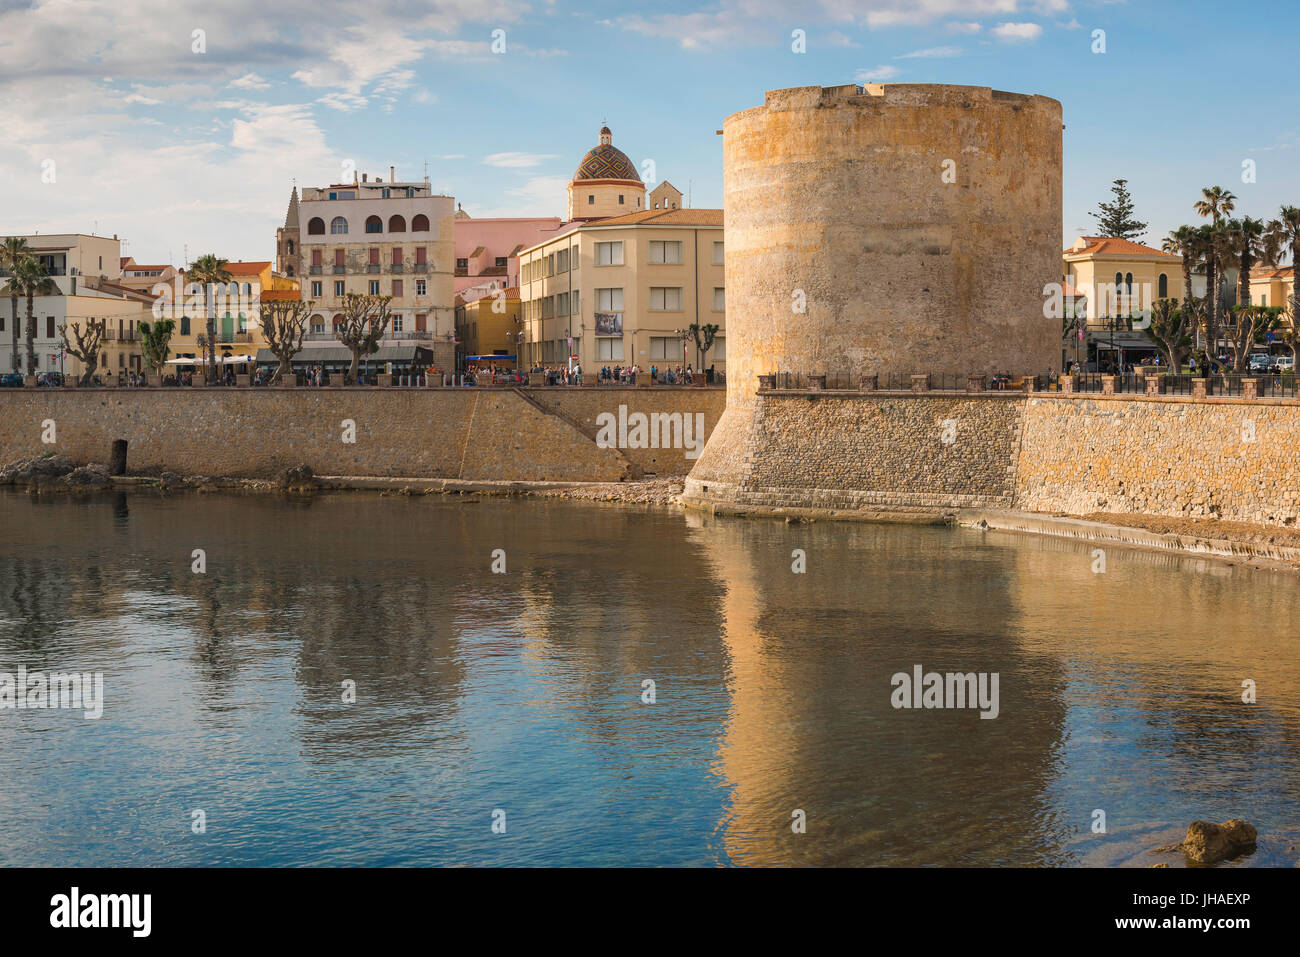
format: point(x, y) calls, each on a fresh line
point(685, 336)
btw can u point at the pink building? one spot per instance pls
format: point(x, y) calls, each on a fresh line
point(487, 250)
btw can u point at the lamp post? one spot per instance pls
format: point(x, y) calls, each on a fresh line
point(685, 336)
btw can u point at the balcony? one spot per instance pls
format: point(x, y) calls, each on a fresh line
point(116, 335)
point(316, 270)
point(340, 270)
point(320, 337)
point(420, 267)
point(373, 269)
point(416, 335)
point(395, 268)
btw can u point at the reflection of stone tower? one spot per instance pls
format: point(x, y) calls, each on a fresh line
point(286, 240)
point(606, 183)
point(896, 228)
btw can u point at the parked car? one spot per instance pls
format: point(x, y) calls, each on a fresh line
point(1262, 362)
point(1284, 364)
point(11, 380)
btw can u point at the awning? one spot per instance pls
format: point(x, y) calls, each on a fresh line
point(221, 360)
point(476, 358)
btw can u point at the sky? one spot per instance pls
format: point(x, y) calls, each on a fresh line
point(119, 118)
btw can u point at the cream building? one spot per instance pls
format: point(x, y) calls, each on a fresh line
point(87, 270)
point(1272, 285)
point(379, 238)
point(616, 289)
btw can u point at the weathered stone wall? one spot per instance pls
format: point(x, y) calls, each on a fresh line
point(862, 450)
point(582, 406)
point(1162, 456)
point(439, 433)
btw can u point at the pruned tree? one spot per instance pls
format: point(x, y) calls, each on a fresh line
point(1289, 327)
point(1249, 326)
point(155, 342)
point(84, 344)
point(704, 336)
point(363, 323)
point(284, 325)
point(1174, 330)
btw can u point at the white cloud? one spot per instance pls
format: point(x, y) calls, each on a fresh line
point(876, 74)
point(932, 52)
point(1017, 32)
point(517, 160)
point(537, 196)
point(343, 102)
point(964, 28)
point(249, 81)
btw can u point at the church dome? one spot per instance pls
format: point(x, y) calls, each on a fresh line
point(606, 161)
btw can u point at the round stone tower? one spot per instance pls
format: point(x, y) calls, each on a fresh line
point(886, 229)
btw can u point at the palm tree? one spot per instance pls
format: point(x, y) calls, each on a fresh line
point(207, 271)
point(1182, 242)
point(1245, 238)
point(33, 281)
point(1283, 234)
point(13, 250)
point(1216, 204)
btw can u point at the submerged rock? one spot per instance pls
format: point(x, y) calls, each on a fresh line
point(1208, 843)
point(298, 479)
point(36, 470)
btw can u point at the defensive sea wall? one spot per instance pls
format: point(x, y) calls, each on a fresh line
point(541, 434)
point(1181, 457)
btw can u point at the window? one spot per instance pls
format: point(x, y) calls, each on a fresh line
point(665, 347)
point(420, 224)
point(1128, 283)
point(49, 327)
point(316, 226)
point(338, 257)
point(421, 321)
point(248, 289)
point(317, 324)
point(573, 257)
point(397, 289)
point(396, 224)
point(548, 307)
point(185, 325)
point(620, 199)
point(291, 247)
point(607, 349)
point(338, 226)
point(316, 289)
point(397, 255)
point(338, 288)
point(717, 254)
point(1164, 286)
point(502, 261)
point(374, 287)
point(421, 255)
point(719, 299)
point(609, 300)
point(609, 254)
point(665, 252)
point(562, 304)
point(719, 350)
point(665, 299)
point(576, 310)
point(591, 200)
point(385, 193)
point(374, 256)
point(462, 263)
point(315, 257)
point(374, 224)
point(397, 323)
point(421, 287)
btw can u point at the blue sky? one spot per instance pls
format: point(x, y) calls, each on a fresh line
point(175, 149)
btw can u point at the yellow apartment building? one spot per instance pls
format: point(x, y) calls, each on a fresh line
point(489, 327)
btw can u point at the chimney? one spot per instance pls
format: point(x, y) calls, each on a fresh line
point(392, 174)
point(364, 176)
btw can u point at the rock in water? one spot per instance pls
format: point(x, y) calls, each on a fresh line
point(298, 479)
point(1208, 843)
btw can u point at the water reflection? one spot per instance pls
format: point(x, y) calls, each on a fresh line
point(524, 690)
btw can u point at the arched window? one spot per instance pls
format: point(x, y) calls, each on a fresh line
point(291, 247)
point(248, 289)
point(396, 224)
point(420, 224)
point(338, 225)
point(1128, 284)
point(374, 224)
point(1164, 287)
point(316, 227)
point(288, 270)
point(1119, 281)
point(338, 320)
